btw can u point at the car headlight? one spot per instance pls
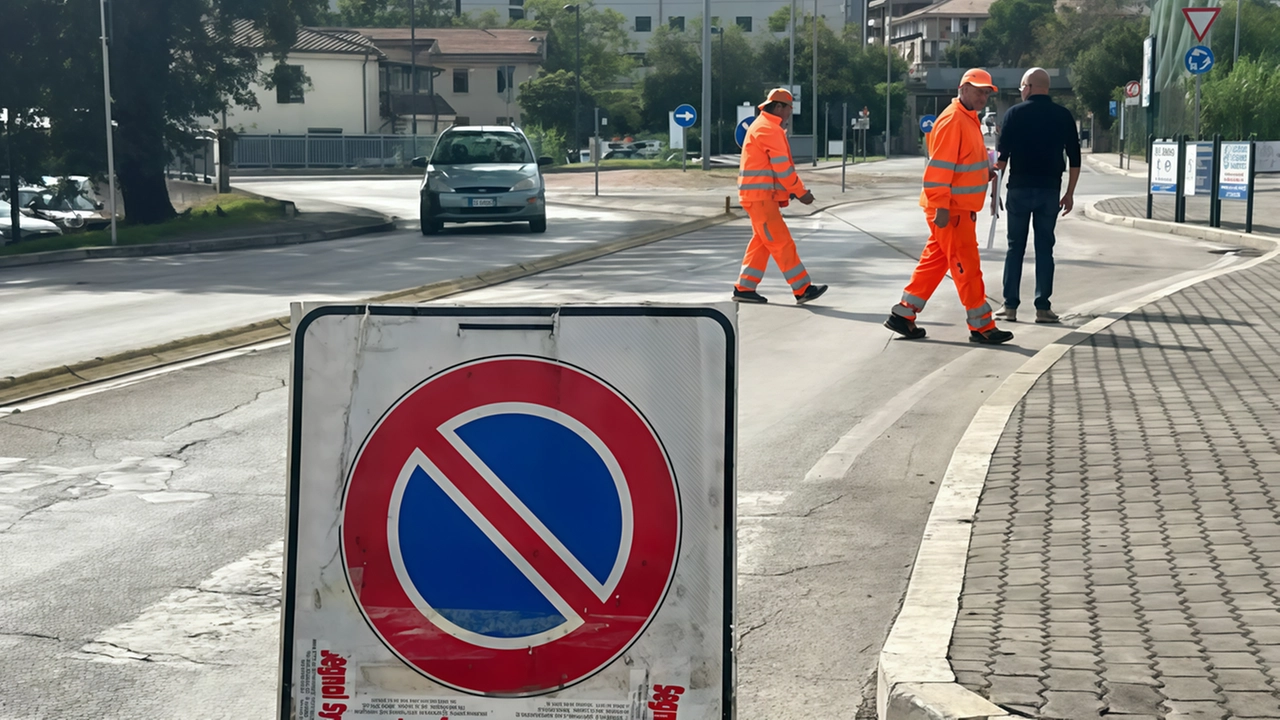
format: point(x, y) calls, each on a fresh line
point(436, 184)
point(529, 183)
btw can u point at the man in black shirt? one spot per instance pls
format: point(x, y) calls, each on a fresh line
point(1034, 136)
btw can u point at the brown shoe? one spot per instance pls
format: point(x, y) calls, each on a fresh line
point(1046, 316)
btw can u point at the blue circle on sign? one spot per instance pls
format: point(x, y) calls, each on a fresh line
point(926, 123)
point(740, 132)
point(686, 116)
point(1198, 60)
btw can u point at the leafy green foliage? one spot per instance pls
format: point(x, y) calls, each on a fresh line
point(1244, 101)
point(548, 100)
point(1008, 37)
point(1107, 65)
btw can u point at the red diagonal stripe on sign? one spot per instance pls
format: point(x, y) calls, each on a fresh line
point(545, 561)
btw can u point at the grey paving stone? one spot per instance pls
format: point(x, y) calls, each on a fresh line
point(1068, 679)
point(1070, 705)
point(1243, 680)
point(1253, 704)
point(1234, 660)
point(1131, 698)
point(1008, 690)
point(1194, 710)
point(1134, 674)
point(1018, 665)
point(1189, 688)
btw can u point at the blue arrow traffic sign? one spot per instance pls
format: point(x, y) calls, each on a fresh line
point(1199, 60)
point(926, 123)
point(686, 116)
point(740, 132)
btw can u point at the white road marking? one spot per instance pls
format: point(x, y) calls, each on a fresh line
point(237, 603)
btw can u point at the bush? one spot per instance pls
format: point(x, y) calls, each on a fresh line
point(548, 142)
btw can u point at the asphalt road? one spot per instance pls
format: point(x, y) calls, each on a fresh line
point(141, 526)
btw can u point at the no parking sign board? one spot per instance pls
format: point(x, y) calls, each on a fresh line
point(510, 512)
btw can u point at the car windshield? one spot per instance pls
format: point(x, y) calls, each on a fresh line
point(481, 148)
point(50, 201)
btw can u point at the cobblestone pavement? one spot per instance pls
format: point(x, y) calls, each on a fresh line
point(1266, 211)
point(1125, 560)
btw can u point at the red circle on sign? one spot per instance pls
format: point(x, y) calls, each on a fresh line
point(608, 625)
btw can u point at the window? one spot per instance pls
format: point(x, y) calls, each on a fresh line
point(461, 80)
point(676, 23)
point(744, 23)
point(475, 147)
point(506, 79)
point(644, 23)
point(289, 88)
point(515, 13)
point(964, 26)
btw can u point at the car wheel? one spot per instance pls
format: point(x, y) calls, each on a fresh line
point(538, 225)
point(429, 226)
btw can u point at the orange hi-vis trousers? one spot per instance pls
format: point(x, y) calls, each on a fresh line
point(953, 248)
point(770, 238)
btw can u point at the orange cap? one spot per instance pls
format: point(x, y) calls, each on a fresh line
point(777, 95)
point(978, 77)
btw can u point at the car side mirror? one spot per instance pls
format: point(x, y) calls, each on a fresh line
point(99, 205)
point(544, 161)
point(420, 161)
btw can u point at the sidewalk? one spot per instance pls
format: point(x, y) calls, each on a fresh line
point(1125, 554)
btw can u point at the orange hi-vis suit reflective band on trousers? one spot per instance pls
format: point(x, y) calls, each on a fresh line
point(955, 249)
point(766, 180)
point(956, 178)
point(770, 237)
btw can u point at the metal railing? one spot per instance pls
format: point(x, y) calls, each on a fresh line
point(329, 151)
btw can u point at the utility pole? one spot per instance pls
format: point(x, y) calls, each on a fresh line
point(814, 101)
point(1236, 57)
point(706, 84)
point(888, 74)
point(15, 212)
point(413, 76)
point(106, 94)
point(791, 63)
point(577, 80)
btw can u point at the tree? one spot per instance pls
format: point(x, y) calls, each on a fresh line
point(965, 53)
point(1009, 36)
point(1259, 30)
point(605, 42)
point(674, 77)
point(173, 63)
point(1244, 101)
point(1107, 65)
point(547, 101)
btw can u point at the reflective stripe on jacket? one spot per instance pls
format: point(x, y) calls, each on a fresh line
point(957, 175)
point(766, 171)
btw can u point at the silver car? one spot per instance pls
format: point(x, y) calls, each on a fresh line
point(482, 174)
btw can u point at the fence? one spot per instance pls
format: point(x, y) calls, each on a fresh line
point(329, 151)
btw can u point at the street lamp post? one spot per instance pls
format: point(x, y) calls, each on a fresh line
point(888, 73)
point(577, 78)
point(106, 93)
point(413, 75)
point(720, 111)
point(706, 84)
point(814, 101)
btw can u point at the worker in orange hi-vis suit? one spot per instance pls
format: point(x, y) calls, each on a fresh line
point(767, 180)
point(956, 178)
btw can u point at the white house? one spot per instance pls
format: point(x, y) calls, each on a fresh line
point(342, 95)
point(358, 80)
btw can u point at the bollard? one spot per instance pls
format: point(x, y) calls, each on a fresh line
point(726, 204)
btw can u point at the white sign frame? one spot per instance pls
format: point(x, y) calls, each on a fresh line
point(1233, 171)
point(1164, 168)
point(352, 363)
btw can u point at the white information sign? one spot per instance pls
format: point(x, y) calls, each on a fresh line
point(1164, 168)
point(676, 138)
point(1233, 173)
point(509, 513)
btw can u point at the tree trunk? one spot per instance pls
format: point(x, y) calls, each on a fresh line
point(140, 86)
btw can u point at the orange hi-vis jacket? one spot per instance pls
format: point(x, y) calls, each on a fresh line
point(766, 171)
point(958, 172)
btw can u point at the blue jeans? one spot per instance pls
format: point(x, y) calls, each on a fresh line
point(1027, 208)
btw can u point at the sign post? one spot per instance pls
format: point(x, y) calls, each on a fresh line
point(1199, 59)
point(441, 460)
point(844, 142)
point(599, 151)
point(685, 116)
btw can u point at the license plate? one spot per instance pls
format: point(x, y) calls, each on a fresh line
point(482, 202)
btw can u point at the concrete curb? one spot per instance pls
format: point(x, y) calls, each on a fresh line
point(1198, 232)
point(195, 246)
point(1110, 169)
point(914, 680)
point(45, 382)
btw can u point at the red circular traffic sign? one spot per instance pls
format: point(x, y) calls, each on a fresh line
point(478, 527)
point(1132, 89)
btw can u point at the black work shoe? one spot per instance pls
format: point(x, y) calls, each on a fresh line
point(904, 327)
point(813, 292)
point(748, 296)
point(994, 336)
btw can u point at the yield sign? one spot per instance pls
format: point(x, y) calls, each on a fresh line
point(1201, 19)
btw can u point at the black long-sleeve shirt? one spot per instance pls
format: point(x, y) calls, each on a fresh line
point(1033, 137)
